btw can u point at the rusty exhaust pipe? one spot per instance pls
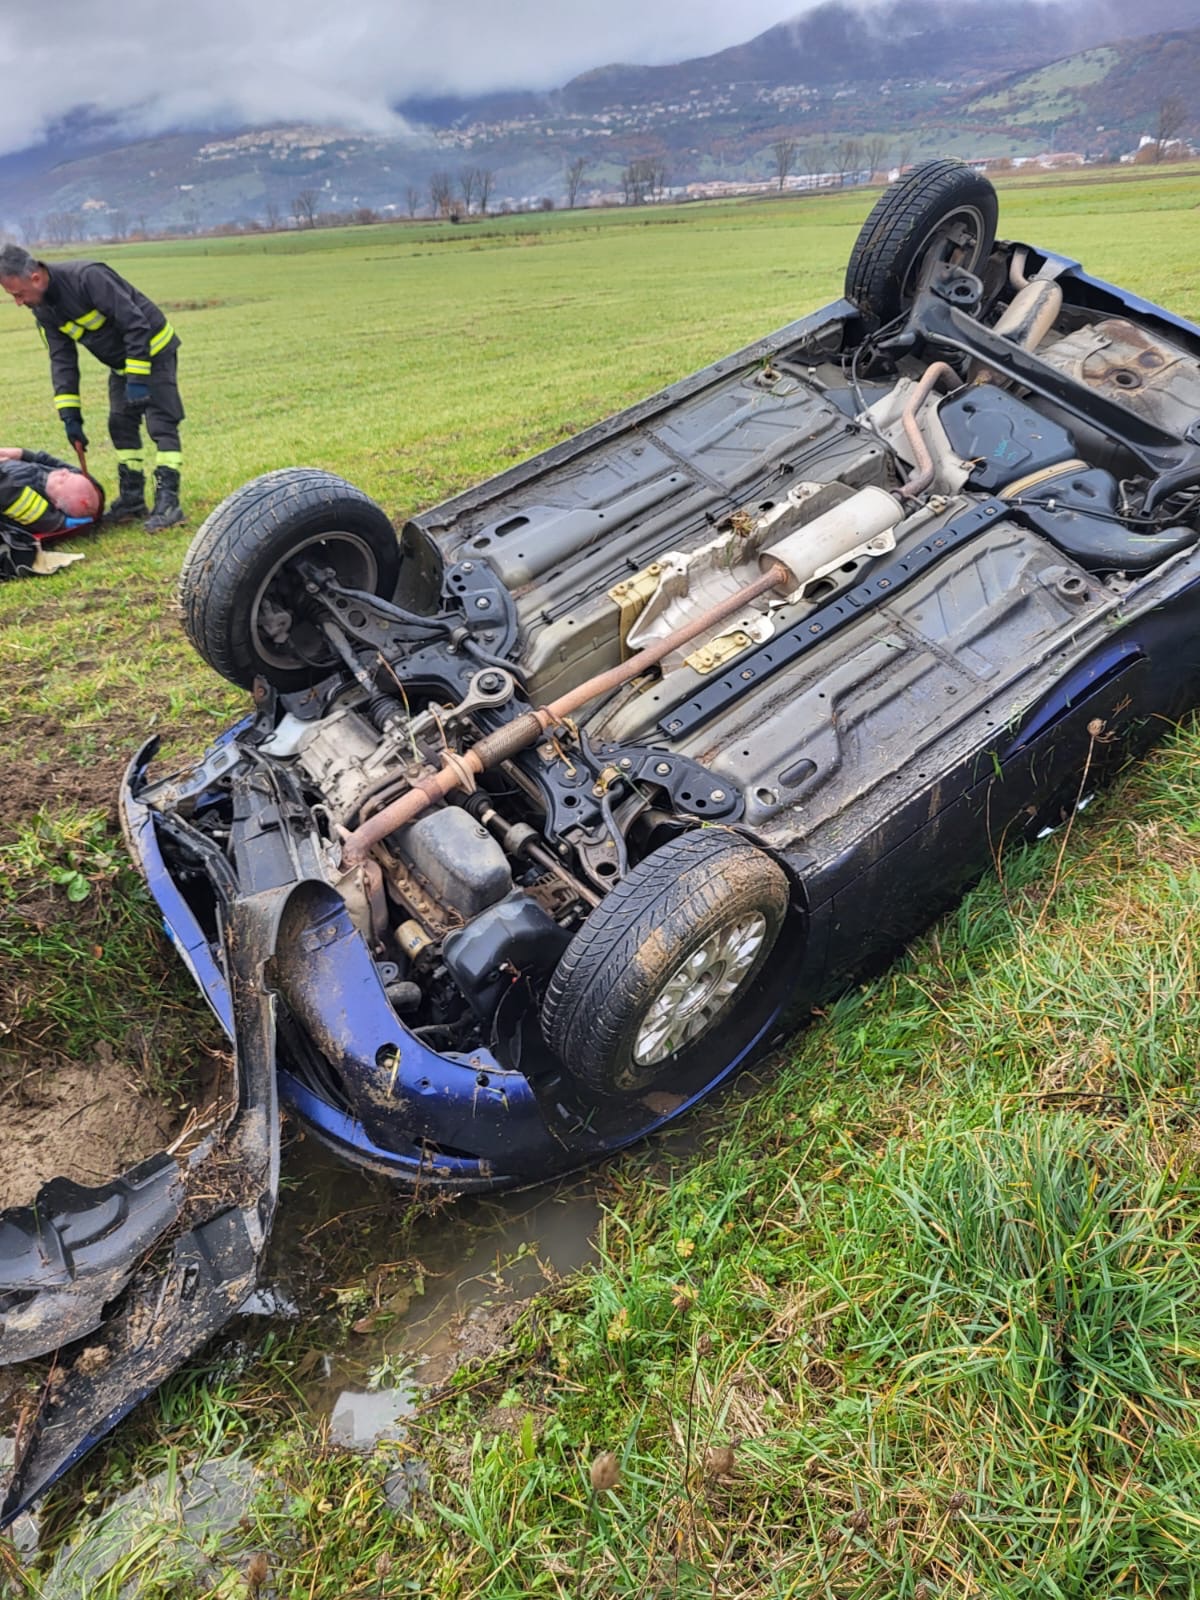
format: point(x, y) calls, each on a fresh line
point(460, 771)
point(922, 477)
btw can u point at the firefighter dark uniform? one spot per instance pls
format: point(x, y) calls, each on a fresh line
point(25, 510)
point(88, 304)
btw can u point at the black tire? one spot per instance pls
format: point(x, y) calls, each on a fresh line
point(241, 555)
point(940, 206)
point(677, 903)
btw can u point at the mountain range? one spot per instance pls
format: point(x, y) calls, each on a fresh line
point(910, 76)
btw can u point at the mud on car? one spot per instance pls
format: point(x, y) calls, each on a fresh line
point(553, 809)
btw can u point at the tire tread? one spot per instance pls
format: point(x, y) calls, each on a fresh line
point(932, 187)
point(582, 1031)
point(221, 560)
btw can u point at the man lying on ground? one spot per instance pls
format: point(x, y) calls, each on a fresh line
point(40, 497)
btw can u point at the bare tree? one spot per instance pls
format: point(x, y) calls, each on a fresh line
point(486, 179)
point(816, 161)
point(272, 209)
point(439, 193)
point(1172, 114)
point(875, 153)
point(31, 229)
point(118, 225)
point(637, 181)
point(62, 227)
point(412, 199)
point(468, 186)
point(783, 154)
point(304, 208)
point(575, 172)
point(847, 158)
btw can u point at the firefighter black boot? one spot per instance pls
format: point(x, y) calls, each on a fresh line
point(131, 497)
point(167, 510)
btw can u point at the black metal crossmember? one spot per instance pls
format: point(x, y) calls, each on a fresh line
point(750, 670)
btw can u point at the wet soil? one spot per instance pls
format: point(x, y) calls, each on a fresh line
point(88, 1121)
point(32, 782)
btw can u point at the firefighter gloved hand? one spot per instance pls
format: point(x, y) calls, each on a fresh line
point(72, 421)
point(137, 394)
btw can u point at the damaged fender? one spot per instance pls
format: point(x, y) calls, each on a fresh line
point(95, 1272)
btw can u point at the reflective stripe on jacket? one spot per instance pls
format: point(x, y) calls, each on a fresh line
point(22, 493)
point(88, 304)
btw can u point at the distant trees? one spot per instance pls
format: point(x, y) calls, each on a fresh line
point(816, 161)
point(274, 214)
point(783, 154)
point(412, 199)
point(475, 185)
point(304, 207)
point(847, 159)
point(1172, 116)
point(645, 178)
point(62, 227)
point(574, 175)
point(441, 193)
point(875, 153)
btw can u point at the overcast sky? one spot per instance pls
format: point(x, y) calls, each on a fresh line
point(157, 64)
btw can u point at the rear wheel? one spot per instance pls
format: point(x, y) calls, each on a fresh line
point(241, 591)
point(665, 964)
point(940, 211)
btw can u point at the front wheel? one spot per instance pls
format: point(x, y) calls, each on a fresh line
point(241, 591)
point(659, 975)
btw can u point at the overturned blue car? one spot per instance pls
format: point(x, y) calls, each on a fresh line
point(552, 810)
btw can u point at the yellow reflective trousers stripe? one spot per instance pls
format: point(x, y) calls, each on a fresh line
point(27, 507)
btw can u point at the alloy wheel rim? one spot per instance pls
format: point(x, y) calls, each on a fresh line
point(699, 990)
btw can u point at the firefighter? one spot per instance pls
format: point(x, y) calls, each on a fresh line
point(87, 303)
point(39, 496)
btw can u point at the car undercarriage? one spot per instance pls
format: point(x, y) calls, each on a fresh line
point(553, 810)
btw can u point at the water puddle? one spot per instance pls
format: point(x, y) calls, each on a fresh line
point(415, 1313)
point(198, 1511)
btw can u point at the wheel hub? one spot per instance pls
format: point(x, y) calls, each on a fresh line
point(275, 616)
point(699, 990)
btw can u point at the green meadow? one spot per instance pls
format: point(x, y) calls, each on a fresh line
point(920, 1316)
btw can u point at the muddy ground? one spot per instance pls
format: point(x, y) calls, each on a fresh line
point(87, 1122)
point(87, 1113)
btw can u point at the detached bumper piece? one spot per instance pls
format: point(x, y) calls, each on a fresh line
point(96, 1276)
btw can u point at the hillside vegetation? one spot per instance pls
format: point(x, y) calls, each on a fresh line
point(905, 78)
point(920, 1316)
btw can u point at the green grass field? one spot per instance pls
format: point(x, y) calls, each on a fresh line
point(922, 1318)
